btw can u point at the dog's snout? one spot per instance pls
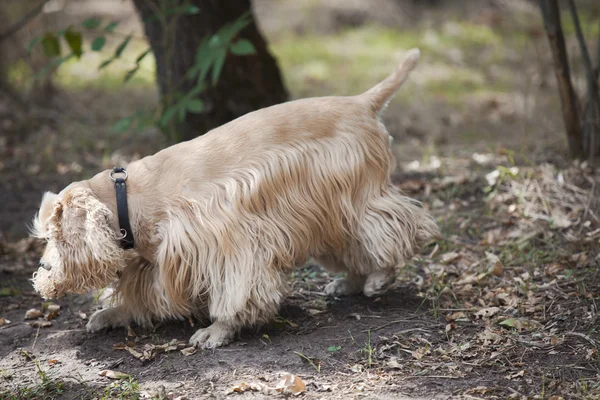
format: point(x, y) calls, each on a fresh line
point(45, 266)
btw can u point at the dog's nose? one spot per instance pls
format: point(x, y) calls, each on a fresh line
point(45, 266)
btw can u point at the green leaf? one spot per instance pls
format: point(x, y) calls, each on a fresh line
point(32, 44)
point(74, 41)
point(218, 66)
point(91, 23)
point(122, 46)
point(98, 43)
point(111, 26)
point(106, 63)
point(190, 9)
point(130, 73)
point(51, 45)
point(242, 47)
point(123, 124)
point(333, 348)
point(181, 111)
point(195, 106)
point(52, 64)
point(512, 322)
point(143, 55)
point(167, 115)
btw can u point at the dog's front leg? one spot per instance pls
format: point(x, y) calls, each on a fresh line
point(216, 335)
point(113, 317)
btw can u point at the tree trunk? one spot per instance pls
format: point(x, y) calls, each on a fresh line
point(246, 83)
point(568, 99)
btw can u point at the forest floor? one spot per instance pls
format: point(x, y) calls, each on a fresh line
point(503, 305)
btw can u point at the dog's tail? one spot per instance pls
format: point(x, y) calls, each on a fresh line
point(380, 95)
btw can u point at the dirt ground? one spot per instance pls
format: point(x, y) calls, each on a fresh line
point(503, 305)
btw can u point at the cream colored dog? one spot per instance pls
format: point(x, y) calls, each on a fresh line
point(221, 220)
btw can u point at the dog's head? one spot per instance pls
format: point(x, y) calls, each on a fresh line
point(82, 250)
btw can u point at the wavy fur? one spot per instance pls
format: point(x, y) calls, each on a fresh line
point(220, 221)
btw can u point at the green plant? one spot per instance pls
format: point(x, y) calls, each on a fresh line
point(176, 103)
point(123, 389)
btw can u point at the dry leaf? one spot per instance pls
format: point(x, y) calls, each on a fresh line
point(188, 351)
point(40, 323)
point(113, 374)
point(521, 324)
point(4, 321)
point(487, 312)
point(495, 266)
point(52, 362)
point(82, 315)
point(313, 311)
point(515, 375)
point(33, 314)
point(449, 257)
point(455, 316)
point(420, 352)
point(393, 363)
point(130, 332)
point(292, 384)
point(449, 327)
point(53, 308)
point(245, 387)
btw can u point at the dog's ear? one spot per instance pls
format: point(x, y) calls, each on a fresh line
point(47, 209)
point(85, 240)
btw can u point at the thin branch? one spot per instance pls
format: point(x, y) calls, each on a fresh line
point(556, 39)
point(23, 21)
point(587, 61)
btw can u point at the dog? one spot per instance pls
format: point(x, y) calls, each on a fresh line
point(219, 221)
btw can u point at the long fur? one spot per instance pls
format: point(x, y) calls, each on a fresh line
point(220, 223)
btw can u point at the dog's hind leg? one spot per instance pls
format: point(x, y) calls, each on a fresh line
point(391, 230)
point(351, 284)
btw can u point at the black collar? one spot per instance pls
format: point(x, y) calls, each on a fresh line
point(121, 192)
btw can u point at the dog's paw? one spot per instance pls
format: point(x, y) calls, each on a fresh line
point(112, 317)
point(343, 287)
point(378, 283)
point(216, 335)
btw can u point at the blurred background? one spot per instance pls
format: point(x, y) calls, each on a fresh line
point(79, 89)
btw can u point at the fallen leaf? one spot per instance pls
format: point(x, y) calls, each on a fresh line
point(4, 321)
point(420, 352)
point(449, 327)
point(449, 257)
point(130, 332)
point(393, 363)
point(487, 312)
point(291, 383)
point(245, 387)
point(40, 323)
point(455, 316)
point(495, 266)
point(521, 324)
point(113, 374)
point(53, 308)
point(33, 314)
point(313, 311)
point(82, 315)
point(188, 351)
point(52, 362)
point(515, 375)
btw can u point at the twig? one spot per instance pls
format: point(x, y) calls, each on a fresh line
point(581, 335)
point(434, 376)
point(394, 322)
point(23, 21)
point(37, 333)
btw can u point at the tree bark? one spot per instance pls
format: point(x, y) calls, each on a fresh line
point(246, 83)
point(568, 99)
